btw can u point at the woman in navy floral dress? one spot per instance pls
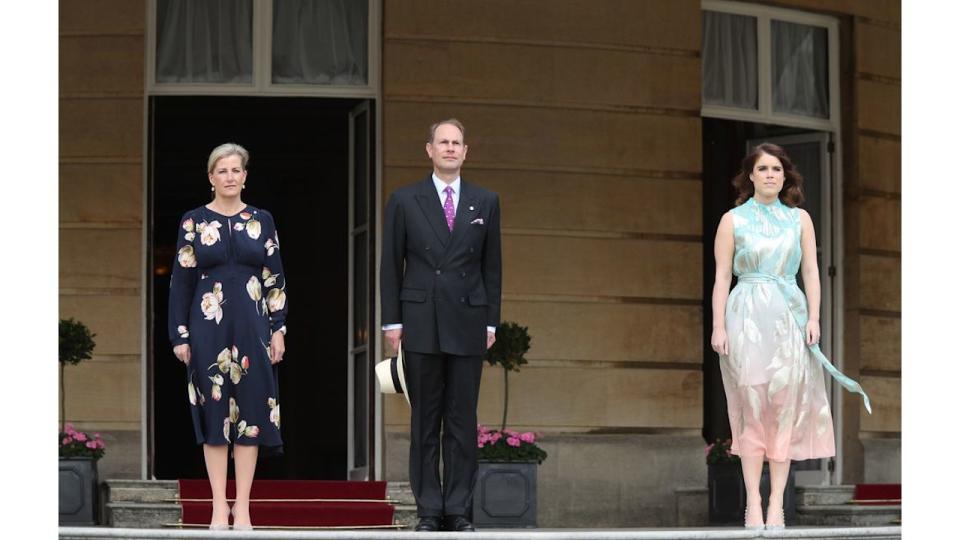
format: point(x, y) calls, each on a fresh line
point(226, 322)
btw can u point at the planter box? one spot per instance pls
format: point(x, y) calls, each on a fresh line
point(78, 491)
point(727, 495)
point(506, 495)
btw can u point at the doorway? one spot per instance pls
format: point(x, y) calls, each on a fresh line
point(300, 170)
point(725, 142)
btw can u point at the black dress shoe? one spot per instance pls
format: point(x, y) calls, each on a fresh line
point(459, 524)
point(428, 523)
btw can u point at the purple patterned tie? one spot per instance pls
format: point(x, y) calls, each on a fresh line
point(448, 210)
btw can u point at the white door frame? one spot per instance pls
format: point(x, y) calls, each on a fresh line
point(262, 37)
point(354, 472)
point(833, 126)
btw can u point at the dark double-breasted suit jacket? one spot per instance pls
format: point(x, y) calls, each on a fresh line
point(443, 287)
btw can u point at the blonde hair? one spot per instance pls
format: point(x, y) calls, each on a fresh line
point(453, 122)
point(227, 150)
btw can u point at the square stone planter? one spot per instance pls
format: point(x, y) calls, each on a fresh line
point(78, 491)
point(506, 495)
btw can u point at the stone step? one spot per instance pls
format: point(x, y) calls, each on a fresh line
point(405, 509)
point(400, 492)
point(824, 495)
point(862, 533)
point(154, 491)
point(142, 515)
point(847, 515)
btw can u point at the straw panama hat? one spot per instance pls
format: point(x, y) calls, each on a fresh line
point(391, 377)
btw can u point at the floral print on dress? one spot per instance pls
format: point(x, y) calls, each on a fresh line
point(253, 288)
point(253, 229)
point(217, 393)
point(211, 301)
point(218, 260)
point(269, 278)
point(227, 364)
point(209, 232)
point(186, 257)
point(276, 300)
point(243, 430)
point(270, 246)
point(274, 411)
point(188, 226)
point(234, 411)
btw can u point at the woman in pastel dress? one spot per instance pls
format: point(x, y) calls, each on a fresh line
point(226, 323)
point(767, 330)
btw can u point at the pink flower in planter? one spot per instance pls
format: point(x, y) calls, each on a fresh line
point(69, 428)
point(528, 437)
point(67, 440)
point(80, 436)
point(513, 441)
point(708, 449)
point(495, 436)
point(91, 445)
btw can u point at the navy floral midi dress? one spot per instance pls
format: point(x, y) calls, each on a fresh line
point(227, 297)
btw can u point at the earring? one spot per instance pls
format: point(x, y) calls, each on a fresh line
point(243, 186)
point(212, 188)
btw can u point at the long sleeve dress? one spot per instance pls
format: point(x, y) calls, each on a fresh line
point(776, 396)
point(227, 297)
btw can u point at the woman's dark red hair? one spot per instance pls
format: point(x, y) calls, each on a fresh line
point(792, 192)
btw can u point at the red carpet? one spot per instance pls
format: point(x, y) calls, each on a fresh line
point(876, 494)
point(297, 503)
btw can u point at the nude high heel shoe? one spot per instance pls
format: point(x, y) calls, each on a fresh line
point(239, 527)
point(779, 513)
point(751, 527)
point(221, 526)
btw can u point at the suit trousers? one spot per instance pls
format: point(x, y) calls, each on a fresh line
point(443, 389)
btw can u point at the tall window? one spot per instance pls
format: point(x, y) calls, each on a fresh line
point(769, 65)
point(263, 46)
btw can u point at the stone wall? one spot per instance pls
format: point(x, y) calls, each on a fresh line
point(102, 268)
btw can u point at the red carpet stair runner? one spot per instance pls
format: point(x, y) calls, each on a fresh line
point(308, 504)
point(876, 494)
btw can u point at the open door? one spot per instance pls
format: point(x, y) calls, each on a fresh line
point(362, 256)
point(811, 154)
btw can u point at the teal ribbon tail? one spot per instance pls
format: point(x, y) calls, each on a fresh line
point(846, 382)
point(796, 303)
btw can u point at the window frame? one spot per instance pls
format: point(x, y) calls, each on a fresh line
point(263, 84)
point(764, 113)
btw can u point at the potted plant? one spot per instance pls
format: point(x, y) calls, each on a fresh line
point(727, 495)
point(79, 451)
point(506, 491)
point(513, 341)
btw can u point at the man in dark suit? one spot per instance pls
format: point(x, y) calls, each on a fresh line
point(440, 293)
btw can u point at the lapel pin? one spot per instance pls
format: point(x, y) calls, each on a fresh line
point(471, 209)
